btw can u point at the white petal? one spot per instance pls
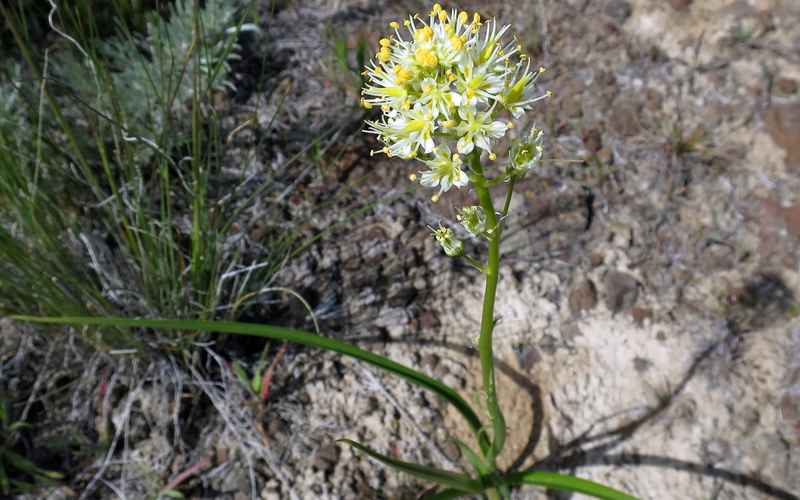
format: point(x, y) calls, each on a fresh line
point(428, 145)
point(483, 142)
point(446, 183)
point(465, 112)
point(497, 129)
point(465, 146)
point(462, 179)
point(401, 148)
point(429, 179)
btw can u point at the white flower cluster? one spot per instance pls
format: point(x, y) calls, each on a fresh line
point(440, 89)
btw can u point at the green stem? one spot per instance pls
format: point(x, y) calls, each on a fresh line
point(487, 317)
point(510, 192)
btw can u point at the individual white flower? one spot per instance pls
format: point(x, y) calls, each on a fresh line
point(451, 245)
point(477, 85)
point(445, 170)
point(477, 129)
point(473, 218)
point(404, 133)
point(518, 97)
point(435, 96)
point(490, 51)
point(388, 87)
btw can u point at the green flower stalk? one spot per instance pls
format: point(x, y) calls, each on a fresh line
point(444, 85)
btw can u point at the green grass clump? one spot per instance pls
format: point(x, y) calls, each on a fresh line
point(111, 153)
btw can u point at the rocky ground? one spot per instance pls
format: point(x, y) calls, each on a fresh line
point(650, 290)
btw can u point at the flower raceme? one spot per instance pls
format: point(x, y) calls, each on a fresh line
point(441, 85)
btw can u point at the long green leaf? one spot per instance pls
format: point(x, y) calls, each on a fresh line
point(550, 480)
point(565, 483)
point(453, 480)
point(290, 335)
point(477, 462)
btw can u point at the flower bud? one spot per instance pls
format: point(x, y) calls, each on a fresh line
point(473, 219)
point(451, 245)
point(526, 153)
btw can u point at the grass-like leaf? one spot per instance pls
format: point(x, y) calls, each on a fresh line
point(452, 480)
point(290, 335)
point(563, 482)
point(550, 480)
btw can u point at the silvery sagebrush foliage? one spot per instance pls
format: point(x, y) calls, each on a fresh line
point(153, 69)
point(443, 85)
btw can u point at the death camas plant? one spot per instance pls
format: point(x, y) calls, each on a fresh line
point(449, 86)
point(444, 84)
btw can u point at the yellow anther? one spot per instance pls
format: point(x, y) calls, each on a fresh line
point(366, 104)
point(435, 198)
point(470, 93)
point(442, 16)
point(462, 17)
point(549, 93)
point(456, 157)
point(384, 56)
point(426, 33)
point(406, 23)
point(510, 125)
point(412, 177)
point(394, 25)
point(436, 8)
point(385, 42)
point(542, 69)
point(492, 156)
point(403, 75)
point(385, 108)
point(456, 42)
point(476, 19)
point(426, 57)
